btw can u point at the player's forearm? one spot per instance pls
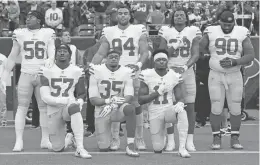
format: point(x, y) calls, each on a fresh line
point(179, 92)
point(8, 66)
point(144, 57)
point(97, 59)
point(195, 52)
point(97, 101)
point(144, 99)
point(47, 98)
point(245, 59)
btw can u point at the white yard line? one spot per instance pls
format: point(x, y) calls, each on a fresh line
point(121, 152)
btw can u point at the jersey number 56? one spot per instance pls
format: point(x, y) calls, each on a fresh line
point(34, 49)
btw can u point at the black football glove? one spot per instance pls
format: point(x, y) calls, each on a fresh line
point(227, 62)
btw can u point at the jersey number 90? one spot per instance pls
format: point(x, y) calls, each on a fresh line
point(34, 49)
point(229, 46)
point(128, 45)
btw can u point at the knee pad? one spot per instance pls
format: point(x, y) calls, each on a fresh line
point(235, 105)
point(73, 109)
point(129, 110)
point(235, 108)
point(216, 108)
point(158, 147)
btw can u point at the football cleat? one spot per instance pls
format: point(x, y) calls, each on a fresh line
point(216, 145)
point(115, 144)
point(140, 144)
point(170, 146)
point(81, 152)
point(234, 142)
point(46, 144)
point(18, 147)
point(70, 141)
point(183, 153)
point(4, 123)
point(130, 150)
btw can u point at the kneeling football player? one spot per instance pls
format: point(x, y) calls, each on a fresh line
point(111, 91)
point(57, 91)
point(157, 88)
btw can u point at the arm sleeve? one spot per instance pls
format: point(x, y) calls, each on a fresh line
point(129, 87)
point(162, 32)
point(51, 45)
point(93, 87)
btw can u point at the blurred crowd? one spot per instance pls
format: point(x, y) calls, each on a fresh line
point(84, 18)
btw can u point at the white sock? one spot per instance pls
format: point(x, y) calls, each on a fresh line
point(170, 138)
point(182, 127)
point(139, 131)
point(130, 140)
point(115, 126)
point(190, 138)
point(77, 128)
point(20, 123)
point(44, 125)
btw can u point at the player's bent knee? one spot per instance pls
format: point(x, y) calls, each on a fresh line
point(235, 108)
point(129, 110)
point(216, 109)
point(73, 109)
point(58, 150)
point(157, 147)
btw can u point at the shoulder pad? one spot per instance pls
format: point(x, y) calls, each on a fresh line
point(243, 31)
point(95, 70)
point(209, 30)
point(17, 33)
point(129, 72)
point(196, 30)
point(106, 31)
point(145, 75)
point(177, 77)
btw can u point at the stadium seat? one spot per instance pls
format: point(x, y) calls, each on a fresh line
point(91, 20)
point(86, 30)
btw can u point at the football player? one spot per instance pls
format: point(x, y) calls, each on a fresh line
point(36, 47)
point(66, 39)
point(2, 93)
point(182, 42)
point(111, 91)
point(230, 48)
point(157, 88)
point(58, 84)
point(132, 41)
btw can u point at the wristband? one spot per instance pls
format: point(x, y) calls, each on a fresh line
point(185, 67)
point(107, 101)
point(139, 64)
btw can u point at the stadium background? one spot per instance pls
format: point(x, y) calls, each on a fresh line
point(251, 71)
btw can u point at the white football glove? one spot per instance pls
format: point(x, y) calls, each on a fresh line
point(106, 110)
point(49, 62)
point(3, 87)
point(162, 89)
point(179, 107)
point(117, 100)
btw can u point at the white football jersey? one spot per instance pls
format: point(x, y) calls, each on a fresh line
point(2, 62)
point(53, 17)
point(180, 56)
point(73, 49)
point(223, 45)
point(126, 40)
point(153, 80)
point(62, 82)
point(109, 84)
point(33, 47)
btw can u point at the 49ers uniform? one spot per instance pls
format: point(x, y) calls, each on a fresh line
point(160, 110)
point(107, 84)
point(225, 81)
point(62, 84)
point(180, 56)
point(34, 47)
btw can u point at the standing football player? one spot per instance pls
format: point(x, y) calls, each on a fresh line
point(132, 41)
point(111, 91)
point(2, 93)
point(35, 44)
point(230, 48)
point(182, 42)
point(157, 88)
point(58, 84)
